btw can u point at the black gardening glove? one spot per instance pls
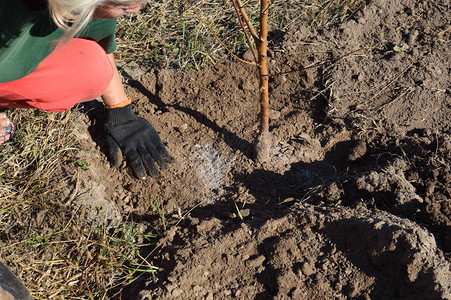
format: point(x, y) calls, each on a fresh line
point(137, 139)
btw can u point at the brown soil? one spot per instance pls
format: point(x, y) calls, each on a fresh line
point(355, 202)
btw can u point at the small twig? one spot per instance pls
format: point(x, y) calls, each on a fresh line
point(237, 10)
point(326, 62)
point(322, 92)
point(216, 36)
point(238, 211)
point(86, 280)
point(247, 20)
point(389, 83)
point(408, 91)
point(437, 146)
point(74, 193)
point(188, 212)
point(303, 43)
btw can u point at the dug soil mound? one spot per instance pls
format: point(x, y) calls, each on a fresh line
point(355, 201)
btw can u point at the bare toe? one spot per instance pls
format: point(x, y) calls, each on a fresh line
point(4, 121)
point(6, 128)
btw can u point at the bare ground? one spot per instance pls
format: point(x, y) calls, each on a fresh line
point(355, 202)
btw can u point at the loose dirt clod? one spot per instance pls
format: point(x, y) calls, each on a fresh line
point(309, 252)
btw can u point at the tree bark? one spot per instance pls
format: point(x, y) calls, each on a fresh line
point(262, 49)
point(263, 141)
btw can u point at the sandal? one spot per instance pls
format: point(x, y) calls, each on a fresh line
point(6, 128)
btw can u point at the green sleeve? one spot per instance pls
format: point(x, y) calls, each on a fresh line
point(103, 31)
point(27, 37)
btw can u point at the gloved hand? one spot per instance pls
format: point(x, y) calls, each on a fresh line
point(137, 139)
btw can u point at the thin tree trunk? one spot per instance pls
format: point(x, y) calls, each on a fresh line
point(263, 141)
point(262, 48)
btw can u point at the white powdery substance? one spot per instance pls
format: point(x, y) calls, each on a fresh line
point(212, 170)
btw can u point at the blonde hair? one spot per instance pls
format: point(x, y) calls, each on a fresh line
point(73, 15)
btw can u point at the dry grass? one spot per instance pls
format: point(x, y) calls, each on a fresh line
point(44, 241)
point(171, 33)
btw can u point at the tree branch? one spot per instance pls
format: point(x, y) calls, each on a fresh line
point(244, 30)
point(248, 22)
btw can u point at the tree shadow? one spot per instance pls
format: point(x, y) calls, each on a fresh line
point(269, 189)
point(301, 182)
point(267, 276)
point(230, 138)
point(95, 112)
point(354, 237)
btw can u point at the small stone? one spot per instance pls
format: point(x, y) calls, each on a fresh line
point(248, 55)
point(274, 114)
point(307, 269)
point(379, 225)
point(255, 263)
point(197, 288)
point(183, 127)
point(126, 199)
point(245, 212)
point(357, 151)
point(270, 53)
point(209, 296)
point(412, 38)
point(285, 146)
point(176, 292)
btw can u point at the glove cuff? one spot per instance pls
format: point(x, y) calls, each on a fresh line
point(121, 104)
point(120, 115)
